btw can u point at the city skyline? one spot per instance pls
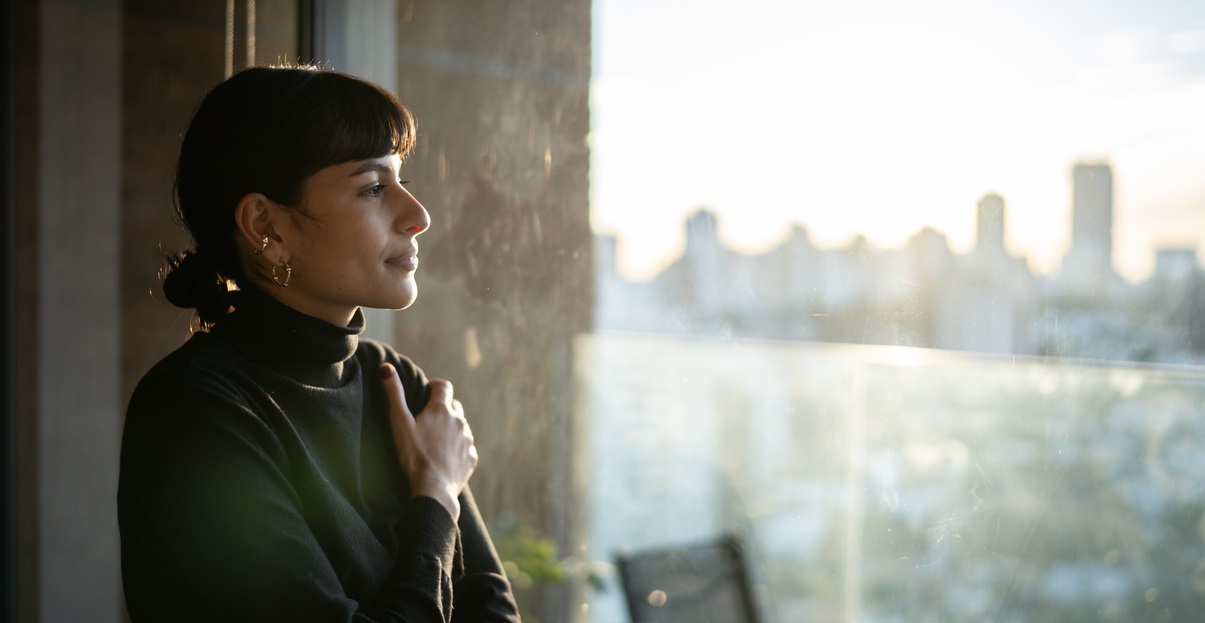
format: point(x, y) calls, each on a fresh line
point(922, 293)
point(1089, 249)
point(881, 119)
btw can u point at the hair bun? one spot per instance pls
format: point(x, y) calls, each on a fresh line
point(191, 281)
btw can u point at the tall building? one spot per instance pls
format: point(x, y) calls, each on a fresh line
point(989, 226)
point(705, 263)
point(1089, 262)
point(1176, 265)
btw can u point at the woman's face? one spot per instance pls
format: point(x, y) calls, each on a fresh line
point(354, 243)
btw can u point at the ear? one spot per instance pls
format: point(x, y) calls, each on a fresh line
point(257, 217)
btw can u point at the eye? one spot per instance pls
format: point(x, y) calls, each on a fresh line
point(375, 190)
point(403, 182)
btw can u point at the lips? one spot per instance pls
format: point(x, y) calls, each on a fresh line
point(408, 260)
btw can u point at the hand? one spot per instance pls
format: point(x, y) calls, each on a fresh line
point(436, 448)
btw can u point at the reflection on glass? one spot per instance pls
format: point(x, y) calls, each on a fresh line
point(887, 484)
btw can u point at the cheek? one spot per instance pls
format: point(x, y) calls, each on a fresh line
point(347, 246)
point(311, 239)
point(358, 239)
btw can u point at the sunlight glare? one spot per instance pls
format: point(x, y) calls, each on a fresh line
point(886, 120)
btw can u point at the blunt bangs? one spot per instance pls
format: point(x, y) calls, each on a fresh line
point(338, 118)
point(357, 120)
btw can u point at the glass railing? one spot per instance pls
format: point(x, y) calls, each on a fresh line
point(877, 484)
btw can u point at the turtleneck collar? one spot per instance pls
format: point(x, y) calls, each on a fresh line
point(308, 349)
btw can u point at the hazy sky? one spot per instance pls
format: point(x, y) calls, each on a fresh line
point(883, 116)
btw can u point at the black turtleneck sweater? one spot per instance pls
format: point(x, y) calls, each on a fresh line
point(260, 482)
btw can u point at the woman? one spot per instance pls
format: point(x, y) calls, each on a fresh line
point(271, 467)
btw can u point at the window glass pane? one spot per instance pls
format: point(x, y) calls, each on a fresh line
point(1009, 192)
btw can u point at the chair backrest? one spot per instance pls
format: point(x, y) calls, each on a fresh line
point(698, 583)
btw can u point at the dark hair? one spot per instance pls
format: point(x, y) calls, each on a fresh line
point(267, 130)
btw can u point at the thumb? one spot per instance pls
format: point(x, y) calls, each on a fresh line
point(399, 412)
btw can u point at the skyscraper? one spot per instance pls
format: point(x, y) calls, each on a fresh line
point(989, 226)
point(1089, 262)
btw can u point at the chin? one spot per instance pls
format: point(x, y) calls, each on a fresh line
point(404, 300)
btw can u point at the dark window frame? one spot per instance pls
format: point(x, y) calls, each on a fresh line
point(8, 499)
point(310, 25)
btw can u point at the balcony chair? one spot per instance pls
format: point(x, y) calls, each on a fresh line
point(704, 582)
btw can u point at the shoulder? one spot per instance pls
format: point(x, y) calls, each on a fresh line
point(199, 364)
point(205, 382)
point(371, 354)
point(204, 363)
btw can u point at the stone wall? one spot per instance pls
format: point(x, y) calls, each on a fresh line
point(501, 94)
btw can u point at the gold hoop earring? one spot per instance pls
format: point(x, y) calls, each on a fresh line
point(260, 251)
point(288, 275)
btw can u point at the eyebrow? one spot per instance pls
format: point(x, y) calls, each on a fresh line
point(372, 166)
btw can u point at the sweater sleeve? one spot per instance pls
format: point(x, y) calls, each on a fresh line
point(213, 530)
point(483, 594)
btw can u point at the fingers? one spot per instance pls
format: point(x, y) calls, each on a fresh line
point(441, 395)
point(399, 412)
point(441, 398)
point(441, 392)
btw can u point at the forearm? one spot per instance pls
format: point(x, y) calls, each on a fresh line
point(417, 590)
point(483, 594)
point(480, 554)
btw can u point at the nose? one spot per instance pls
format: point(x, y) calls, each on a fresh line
point(412, 216)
